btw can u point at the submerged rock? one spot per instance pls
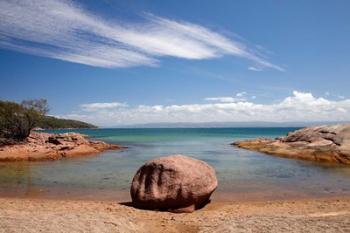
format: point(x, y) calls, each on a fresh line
point(45, 146)
point(176, 183)
point(320, 143)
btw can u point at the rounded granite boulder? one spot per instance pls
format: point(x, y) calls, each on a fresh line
point(175, 183)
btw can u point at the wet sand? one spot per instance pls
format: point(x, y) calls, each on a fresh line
point(270, 193)
point(302, 215)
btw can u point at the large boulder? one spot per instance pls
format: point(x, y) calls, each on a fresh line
point(175, 183)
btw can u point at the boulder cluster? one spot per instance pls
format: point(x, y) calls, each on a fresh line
point(320, 143)
point(45, 146)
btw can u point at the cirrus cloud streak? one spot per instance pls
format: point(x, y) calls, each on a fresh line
point(64, 30)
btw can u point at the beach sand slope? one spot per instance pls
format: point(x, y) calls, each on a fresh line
point(34, 215)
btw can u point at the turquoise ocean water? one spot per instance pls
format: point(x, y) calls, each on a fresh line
point(242, 174)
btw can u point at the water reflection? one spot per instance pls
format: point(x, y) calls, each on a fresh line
point(241, 173)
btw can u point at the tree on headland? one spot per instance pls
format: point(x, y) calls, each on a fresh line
point(40, 105)
point(17, 120)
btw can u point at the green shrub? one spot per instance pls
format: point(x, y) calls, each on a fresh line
point(16, 121)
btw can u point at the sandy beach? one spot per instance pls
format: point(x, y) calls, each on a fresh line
point(304, 215)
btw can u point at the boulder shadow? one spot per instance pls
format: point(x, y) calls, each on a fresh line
point(188, 209)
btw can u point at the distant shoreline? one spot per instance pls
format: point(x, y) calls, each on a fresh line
point(249, 124)
point(43, 129)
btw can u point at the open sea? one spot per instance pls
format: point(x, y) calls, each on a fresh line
point(242, 174)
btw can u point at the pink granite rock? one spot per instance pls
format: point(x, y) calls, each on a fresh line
point(319, 143)
point(45, 146)
point(176, 183)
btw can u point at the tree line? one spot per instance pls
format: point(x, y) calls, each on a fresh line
point(17, 120)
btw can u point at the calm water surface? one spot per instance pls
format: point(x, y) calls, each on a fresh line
point(242, 174)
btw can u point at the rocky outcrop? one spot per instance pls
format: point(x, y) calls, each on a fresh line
point(321, 143)
point(175, 183)
point(45, 146)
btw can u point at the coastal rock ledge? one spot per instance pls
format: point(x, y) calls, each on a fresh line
point(45, 146)
point(175, 183)
point(320, 143)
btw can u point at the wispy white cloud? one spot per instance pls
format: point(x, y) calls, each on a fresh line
point(63, 30)
point(334, 96)
point(223, 99)
point(101, 106)
point(241, 94)
point(300, 106)
point(239, 97)
point(253, 68)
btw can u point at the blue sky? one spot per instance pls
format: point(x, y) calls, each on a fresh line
point(126, 62)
